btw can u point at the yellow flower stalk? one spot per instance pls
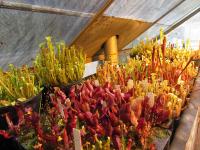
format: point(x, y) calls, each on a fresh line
point(93, 147)
point(18, 84)
point(99, 142)
point(58, 64)
point(107, 144)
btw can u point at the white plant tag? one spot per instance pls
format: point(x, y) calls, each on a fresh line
point(77, 139)
point(130, 84)
point(151, 99)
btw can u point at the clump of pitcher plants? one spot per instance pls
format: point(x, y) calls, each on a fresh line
point(105, 115)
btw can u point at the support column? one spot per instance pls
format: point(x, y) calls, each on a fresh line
point(111, 50)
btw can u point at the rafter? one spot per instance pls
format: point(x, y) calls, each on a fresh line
point(42, 9)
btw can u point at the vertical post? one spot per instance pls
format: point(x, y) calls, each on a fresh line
point(111, 50)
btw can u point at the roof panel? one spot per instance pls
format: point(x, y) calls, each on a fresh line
point(91, 6)
point(146, 10)
point(182, 10)
point(22, 31)
point(188, 30)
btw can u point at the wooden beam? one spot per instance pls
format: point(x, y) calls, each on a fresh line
point(98, 14)
point(105, 27)
point(42, 9)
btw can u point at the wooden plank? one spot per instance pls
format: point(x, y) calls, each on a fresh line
point(185, 135)
point(42, 9)
point(190, 145)
point(197, 141)
point(104, 27)
point(98, 14)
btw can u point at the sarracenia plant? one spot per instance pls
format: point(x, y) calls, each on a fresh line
point(18, 83)
point(58, 64)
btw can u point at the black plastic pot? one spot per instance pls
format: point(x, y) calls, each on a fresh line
point(67, 88)
point(175, 125)
point(33, 102)
point(10, 144)
point(49, 89)
point(168, 124)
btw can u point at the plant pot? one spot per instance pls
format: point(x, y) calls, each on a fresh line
point(33, 102)
point(10, 144)
point(67, 88)
point(167, 125)
point(50, 89)
point(175, 125)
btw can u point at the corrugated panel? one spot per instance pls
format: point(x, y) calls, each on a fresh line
point(77, 5)
point(182, 10)
point(146, 10)
point(169, 20)
point(22, 32)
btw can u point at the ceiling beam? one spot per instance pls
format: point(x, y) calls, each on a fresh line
point(42, 9)
point(98, 14)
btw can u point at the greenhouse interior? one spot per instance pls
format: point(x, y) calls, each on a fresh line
point(99, 75)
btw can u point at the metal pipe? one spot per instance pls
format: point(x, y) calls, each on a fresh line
point(42, 9)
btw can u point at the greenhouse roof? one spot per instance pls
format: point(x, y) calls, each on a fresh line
point(87, 23)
